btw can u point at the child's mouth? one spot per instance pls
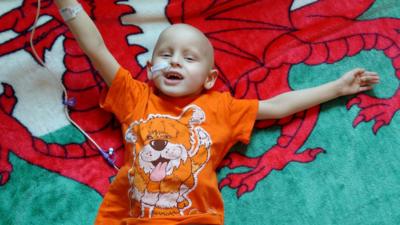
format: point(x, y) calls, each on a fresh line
point(173, 76)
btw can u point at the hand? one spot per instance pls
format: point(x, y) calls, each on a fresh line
point(357, 80)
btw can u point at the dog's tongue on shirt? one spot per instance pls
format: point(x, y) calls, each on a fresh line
point(159, 172)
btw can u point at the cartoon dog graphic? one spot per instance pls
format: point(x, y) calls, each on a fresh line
point(168, 154)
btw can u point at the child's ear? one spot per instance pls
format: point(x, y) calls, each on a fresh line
point(211, 78)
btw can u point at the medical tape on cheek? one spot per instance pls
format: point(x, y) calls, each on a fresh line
point(157, 67)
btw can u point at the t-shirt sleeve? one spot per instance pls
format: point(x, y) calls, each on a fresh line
point(242, 115)
point(123, 95)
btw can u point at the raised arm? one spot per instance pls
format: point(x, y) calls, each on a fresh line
point(91, 42)
point(288, 103)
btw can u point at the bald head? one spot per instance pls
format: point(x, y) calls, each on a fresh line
point(187, 34)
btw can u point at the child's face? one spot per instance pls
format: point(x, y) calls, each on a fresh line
point(190, 57)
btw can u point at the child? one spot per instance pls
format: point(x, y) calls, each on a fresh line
point(177, 133)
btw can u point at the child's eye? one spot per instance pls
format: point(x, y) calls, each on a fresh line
point(165, 55)
point(189, 58)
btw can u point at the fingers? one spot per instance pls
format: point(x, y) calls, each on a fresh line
point(358, 71)
point(358, 80)
point(368, 77)
point(365, 80)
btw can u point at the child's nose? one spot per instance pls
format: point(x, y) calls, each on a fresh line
point(175, 61)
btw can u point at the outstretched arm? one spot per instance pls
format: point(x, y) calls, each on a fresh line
point(91, 42)
point(288, 103)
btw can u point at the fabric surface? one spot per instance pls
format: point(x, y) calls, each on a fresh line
point(173, 147)
point(337, 163)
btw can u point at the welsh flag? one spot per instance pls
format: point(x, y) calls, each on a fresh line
point(337, 163)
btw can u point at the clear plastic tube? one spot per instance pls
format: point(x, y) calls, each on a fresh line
point(157, 67)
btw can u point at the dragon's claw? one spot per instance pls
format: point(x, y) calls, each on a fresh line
point(262, 166)
point(243, 182)
point(224, 182)
point(242, 190)
point(378, 125)
point(226, 162)
point(240, 184)
point(379, 110)
point(6, 168)
point(352, 102)
point(4, 176)
point(234, 160)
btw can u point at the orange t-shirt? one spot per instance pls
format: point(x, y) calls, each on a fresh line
point(173, 147)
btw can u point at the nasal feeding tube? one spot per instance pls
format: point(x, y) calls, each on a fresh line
point(158, 67)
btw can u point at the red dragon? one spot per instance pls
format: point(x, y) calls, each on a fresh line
point(256, 43)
